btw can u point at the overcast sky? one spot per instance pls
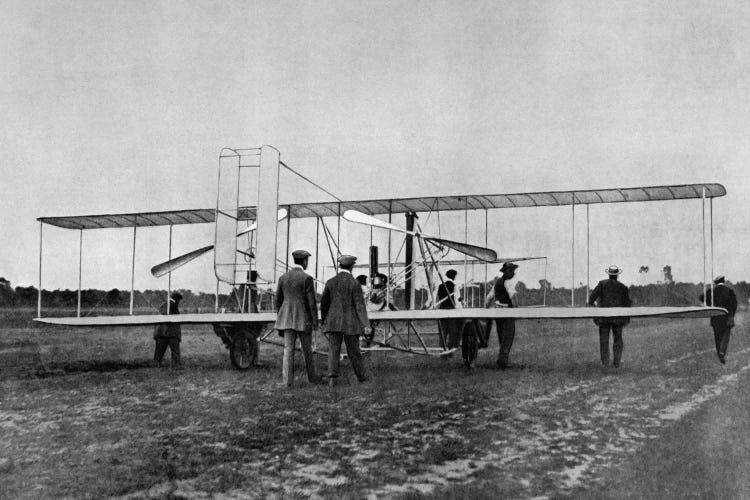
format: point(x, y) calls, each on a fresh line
point(124, 106)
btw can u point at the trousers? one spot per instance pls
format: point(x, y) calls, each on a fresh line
point(352, 350)
point(305, 340)
point(721, 339)
point(506, 332)
point(617, 343)
point(450, 333)
point(161, 348)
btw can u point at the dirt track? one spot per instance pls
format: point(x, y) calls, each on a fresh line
point(558, 425)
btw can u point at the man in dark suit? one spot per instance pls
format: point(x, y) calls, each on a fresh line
point(506, 328)
point(446, 299)
point(169, 335)
point(344, 317)
point(611, 293)
point(297, 316)
point(722, 296)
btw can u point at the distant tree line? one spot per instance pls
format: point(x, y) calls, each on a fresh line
point(91, 298)
point(662, 294)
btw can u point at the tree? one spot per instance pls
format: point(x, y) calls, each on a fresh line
point(113, 297)
point(668, 275)
point(7, 297)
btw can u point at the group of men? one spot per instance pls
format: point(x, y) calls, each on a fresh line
point(498, 297)
point(612, 293)
point(344, 317)
point(609, 292)
point(342, 312)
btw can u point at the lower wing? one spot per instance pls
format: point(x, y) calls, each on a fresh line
point(410, 315)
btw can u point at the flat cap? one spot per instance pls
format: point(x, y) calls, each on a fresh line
point(300, 254)
point(719, 279)
point(347, 260)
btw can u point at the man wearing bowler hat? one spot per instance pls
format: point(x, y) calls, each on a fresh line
point(506, 328)
point(611, 293)
point(344, 317)
point(297, 316)
point(722, 296)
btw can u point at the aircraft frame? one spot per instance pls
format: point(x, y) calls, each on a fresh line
point(233, 265)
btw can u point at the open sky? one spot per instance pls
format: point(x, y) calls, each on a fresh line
point(123, 106)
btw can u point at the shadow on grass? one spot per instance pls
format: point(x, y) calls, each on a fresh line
point(451, 449)
point(56, 369)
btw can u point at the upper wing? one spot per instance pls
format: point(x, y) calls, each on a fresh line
point(403, 205)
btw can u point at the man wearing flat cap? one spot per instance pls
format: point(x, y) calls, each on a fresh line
point(297, 316)
point(611, 293)
point(721, 296)
point(506, 328)
point(344, 317)
point(169, 334)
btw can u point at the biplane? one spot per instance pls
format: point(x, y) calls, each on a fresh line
point(251, 250)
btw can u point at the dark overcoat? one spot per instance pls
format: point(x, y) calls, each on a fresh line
point(342, 306)
point(723, 297)
point(172, 330)
point(610, 293)
point(446, 290)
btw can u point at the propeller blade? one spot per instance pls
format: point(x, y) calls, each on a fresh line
point(160, 270)
point(170, 265)
point(481, 253)
point(368, 220)
point(252, 227)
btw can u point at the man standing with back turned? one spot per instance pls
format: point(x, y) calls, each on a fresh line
point(297, 316)
point(169, 334)
point(722, 296)
point(344, 316)
point(611, 293)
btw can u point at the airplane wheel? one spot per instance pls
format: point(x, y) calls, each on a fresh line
point(242, 352)
point(469, 343)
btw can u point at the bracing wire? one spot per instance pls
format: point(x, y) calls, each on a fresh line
point(308, 180)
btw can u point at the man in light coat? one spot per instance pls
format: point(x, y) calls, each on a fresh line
point(344, 317)
point(297, 316)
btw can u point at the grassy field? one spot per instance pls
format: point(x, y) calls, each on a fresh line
point(84, 415)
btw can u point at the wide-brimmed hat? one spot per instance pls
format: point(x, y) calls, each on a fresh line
point(508, 266)
point(347, 260)
point(613, 270)
point(300, 254)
